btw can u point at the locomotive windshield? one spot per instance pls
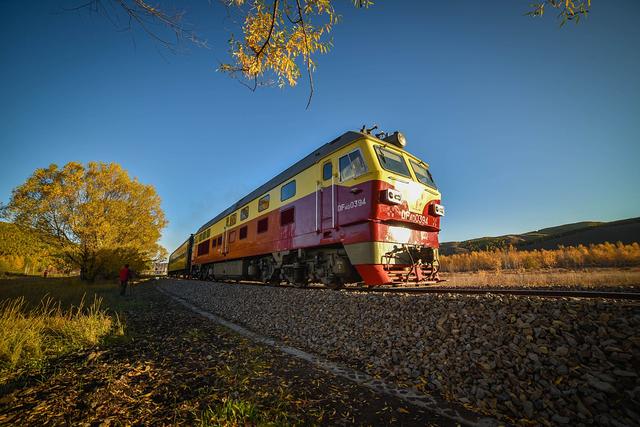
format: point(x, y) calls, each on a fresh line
point(423, 174)
point(352, 165)
point(392, 161)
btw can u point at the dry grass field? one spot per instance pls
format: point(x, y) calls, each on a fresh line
point(572, 257)
point(588, 279)
point(602, 266)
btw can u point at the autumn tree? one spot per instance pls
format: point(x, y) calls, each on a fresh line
point(96, 215)
point(278, 39)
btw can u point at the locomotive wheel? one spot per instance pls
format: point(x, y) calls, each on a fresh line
point(271, 279)
point(334, 283)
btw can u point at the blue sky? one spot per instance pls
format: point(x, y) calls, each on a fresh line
point(525, 125)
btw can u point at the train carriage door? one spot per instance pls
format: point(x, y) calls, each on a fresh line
point(326, 196)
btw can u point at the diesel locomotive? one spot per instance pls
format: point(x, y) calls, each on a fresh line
point(358, 209)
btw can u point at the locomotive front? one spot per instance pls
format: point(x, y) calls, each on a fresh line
point(405, 219)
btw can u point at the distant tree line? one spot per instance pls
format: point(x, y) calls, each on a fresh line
point(24, 251)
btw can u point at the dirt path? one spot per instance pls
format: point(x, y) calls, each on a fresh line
point(175, 367)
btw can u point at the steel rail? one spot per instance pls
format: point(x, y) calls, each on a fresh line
point(547, 293)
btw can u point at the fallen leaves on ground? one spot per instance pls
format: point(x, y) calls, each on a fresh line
point(174, 367)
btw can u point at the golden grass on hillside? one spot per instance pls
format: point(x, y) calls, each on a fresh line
point(28, 336)
point(574, 257)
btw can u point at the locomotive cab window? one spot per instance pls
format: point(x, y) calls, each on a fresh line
point(392, 161)
point(422, 174)
point(231, 220)
point(243, 232)
point(352, 165)
point(263, 203)
point(327, 171)
point(244, 213)
point(288, 191)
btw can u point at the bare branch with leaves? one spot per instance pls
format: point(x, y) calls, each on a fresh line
point(278, 37)
point(568, 10)
point(169, 29)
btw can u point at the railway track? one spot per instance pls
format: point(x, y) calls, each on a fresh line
point(543, 293)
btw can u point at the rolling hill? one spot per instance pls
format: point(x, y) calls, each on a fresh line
point(578, 233)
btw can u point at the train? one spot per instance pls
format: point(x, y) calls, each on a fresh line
point(359, 209)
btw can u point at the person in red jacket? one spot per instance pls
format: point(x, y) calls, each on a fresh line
point(125, 275)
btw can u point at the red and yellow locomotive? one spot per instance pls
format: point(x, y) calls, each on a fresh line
point(358, 209)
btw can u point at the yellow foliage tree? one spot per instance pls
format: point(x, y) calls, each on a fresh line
point(97, 215)
point(277, 34)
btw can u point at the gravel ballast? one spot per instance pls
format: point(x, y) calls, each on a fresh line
point(549, 360)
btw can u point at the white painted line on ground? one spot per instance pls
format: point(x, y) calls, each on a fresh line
point(448, 410)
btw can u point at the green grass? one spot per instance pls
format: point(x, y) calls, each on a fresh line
point(42, 318)
point(230, 412)
point(241, 399)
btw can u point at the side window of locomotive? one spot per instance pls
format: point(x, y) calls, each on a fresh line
point(263, 225)
point(231, 220)
point(288, 191)
point(203, 248)
point(220, 241)
point(327, 171)
point(352, 165)
point(232, 237)
point(392, 161)
point(244, 213)
point(422, 174)
point(243, 232)
point(287, 217)
point(263, 203)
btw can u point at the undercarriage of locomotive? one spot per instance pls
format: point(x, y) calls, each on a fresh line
point(328, 265)
point(404, 264)
point(412, 264)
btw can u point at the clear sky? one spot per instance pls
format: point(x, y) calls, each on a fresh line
point(525, 125)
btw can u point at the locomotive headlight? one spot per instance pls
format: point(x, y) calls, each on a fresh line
point(437, 209)
point(397, 139)
point(400, 234)
point(391, 196)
